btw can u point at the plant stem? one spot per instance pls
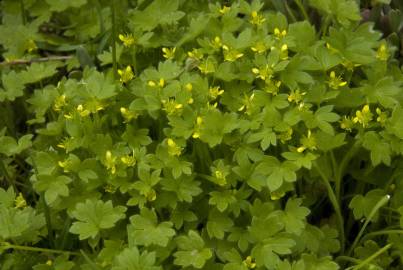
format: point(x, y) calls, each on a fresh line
point(114, 38)
point(289, 11)
point(335, 204)
point(42, 59)
point(6, 246)
point(375, 209)
point(370, 258)
point(339, 171)
point(302, 9)
point(24, 20)
point(382, 232)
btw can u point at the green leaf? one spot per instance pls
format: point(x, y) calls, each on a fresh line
point(185, 187)
point(60, 5)
point(94, 216)
point(222, 199)
point(145, 229)
point(217, 224)
point(132, 259)
point(363, 205)
point(311, 262)
point(304, 35)
point(9, 146)
point(53, 186)
point(294, 216)
point(191, 251)
point(380, 150)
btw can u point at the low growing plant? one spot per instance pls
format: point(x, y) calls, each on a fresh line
point(227, 135)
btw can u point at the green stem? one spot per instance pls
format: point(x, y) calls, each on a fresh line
point(339, 171)
point(6, 246)
point(348, 259)
point(370, 258)
point(335, 204)
point(115, 73)
point(302, 9)
point(325, 26)
point(48, 220)
point(289, 11)
point(24, 20)
point(383, 232)
point(374, 210)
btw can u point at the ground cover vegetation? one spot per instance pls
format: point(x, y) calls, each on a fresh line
point(184, 134)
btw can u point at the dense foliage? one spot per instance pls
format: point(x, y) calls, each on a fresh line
point(188, 134)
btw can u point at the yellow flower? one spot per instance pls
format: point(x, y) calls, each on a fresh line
point(65, 165)
point(173, 148)
point(30, 45)
point(249, 263)
point(221, 177)
point(128, 160)
point(151, 195)
point(247, 103)
point(286, 135)
point(60, 102)
point(128, 115)
point(256, 18)
point(216, 43)
point(127, 39)
point(383, 52)
point(83, 112)
point(231, 55)
point(20, 202)
point(279, 34)
point(49, 262)
point(272, 87)
point(171, 107)
point(196, 131)
point(215, 91)
point(346, 123)
point(169, 53)
point(284, 52)
point(364, 116)
point(110, 162)
point(349, 65)
point(126, 75)
point(189, 87)
point(259, 47)
point(224, 10)
point(382, 116)
point(263, 73)
point(307, 142)
point(336, 81)
point(296, 96)
point(195, 54)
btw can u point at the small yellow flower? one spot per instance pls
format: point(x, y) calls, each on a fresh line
point(151, 195)
point(172, 107)
point(257, 19)
point(296, 96)
point(231, 55)
point(20, 201)
point(216, 43)
point(336, 81)
point(259, 47)
point(249, 263)
point(49, 262)
point(364, 116)
point(307, 142)
point(190, 101)
point(349, 65)
point(280, 34)
point(128, 160)
point(110, 162)
point(127, 39)
point(60, 102)
point(382, 116)
point(346, 123)
point(65, 165)
point(169, 53)
point(126, 74)
point(151, 84)
point(211, 106)
point(383, 52)
point(31, 46)
point(83, 112)
point(221, 177)
point(215, 92)
point(128, 115)
point(224, 10)
point(195, 54)
point(196, 131)
point(272, 87)
point(263, 73)
point(284, 52)
point(173, 148)
point(286, 135)
point(247, 103)
point(189, 87)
